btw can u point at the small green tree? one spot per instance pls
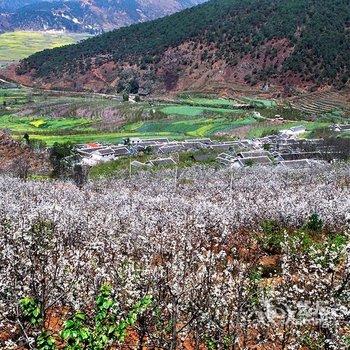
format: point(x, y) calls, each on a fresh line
point(33, 314)
point(314, 223)
point(105, 328)
point(45, 341)
point(127, 141)
point(80, 175)
point(249, 162)
point(267, 147)
point(26, 138)
point(59, 158)
point(31, 311)
point(81, 332)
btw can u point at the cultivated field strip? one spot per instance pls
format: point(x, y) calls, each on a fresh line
point(321, 102)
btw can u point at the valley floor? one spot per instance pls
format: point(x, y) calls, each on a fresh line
point(80, 118)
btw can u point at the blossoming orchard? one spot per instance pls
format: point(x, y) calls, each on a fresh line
point(195, 259)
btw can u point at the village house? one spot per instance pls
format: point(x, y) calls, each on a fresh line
point(340, 127)
point(249, 154)
point(195, 145)
point(251, 161)
point(120, 151)
point(88, 149)
point(298, 156)
point(299, 163)
point(171, 148)
point(137, 140)
point(86, 152)
point(294, 131)
point(244, 143)
point(222, 147)
point(234, 153)
point(225, 158)
point(103, 155)
point(207, 141)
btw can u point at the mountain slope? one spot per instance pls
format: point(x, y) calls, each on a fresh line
point(12, 5)
point(92, 16)
point(300, 43)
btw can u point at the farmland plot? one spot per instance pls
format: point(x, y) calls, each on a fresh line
point(20, 44)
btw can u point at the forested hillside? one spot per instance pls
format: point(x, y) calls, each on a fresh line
point(301, 42)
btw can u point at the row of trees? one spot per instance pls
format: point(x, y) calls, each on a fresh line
point(62, 163)
point(219, 275)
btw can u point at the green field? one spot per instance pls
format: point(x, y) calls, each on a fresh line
point(260, 102)
point(193, 111)
point(195, 127)
point(78, 130)
point(44, 126)
point(173, 130)
point(52, 117)
point(20, 44)
point(210, 102)
point(13, 97)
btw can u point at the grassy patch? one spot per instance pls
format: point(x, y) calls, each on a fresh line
point(209, 102)
point(194, 111)
point(259, 129)
point(51, 118)
point(110, 168)
point(13, 98)
point(111, 137)
point(260, 102)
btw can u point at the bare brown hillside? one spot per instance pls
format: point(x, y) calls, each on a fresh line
point(180, 69)
point(289, 46)
point(13, 152)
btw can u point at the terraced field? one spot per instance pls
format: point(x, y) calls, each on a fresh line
point(321, 102)
point(13, 97)
point(52, 117)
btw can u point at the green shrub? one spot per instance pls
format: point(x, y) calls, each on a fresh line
point(31, 311)
point(270, 226)
point(105, 327)
point(269, 132)
point(96, 331)
point(314, 223)
point(272, 238)
point(45, 341)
